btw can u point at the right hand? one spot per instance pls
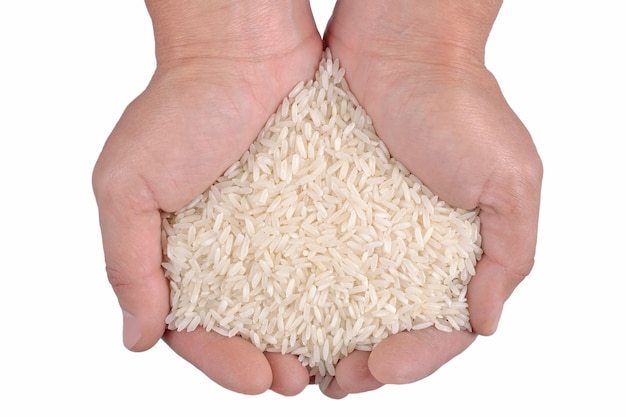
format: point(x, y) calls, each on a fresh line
point(441, 113)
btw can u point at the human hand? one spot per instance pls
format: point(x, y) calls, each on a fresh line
point(222, 69)
point(417, 67)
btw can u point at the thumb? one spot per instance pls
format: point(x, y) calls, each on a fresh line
point(509, 238)
point(130, 224)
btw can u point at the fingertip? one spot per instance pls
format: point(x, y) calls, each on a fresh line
point(289, 376)
point(239, 366)
point(486, 324)
point(145, 306)
point(353, 375)
point(138, 337)
point(131, 330)
point(408, 357)
point(395, 360)
point(333, 390)
point(486, 294)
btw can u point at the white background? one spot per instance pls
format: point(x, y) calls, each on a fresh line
point(67, 70)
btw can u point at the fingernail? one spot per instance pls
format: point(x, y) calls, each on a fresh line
point(495, 321)
point(132, 330)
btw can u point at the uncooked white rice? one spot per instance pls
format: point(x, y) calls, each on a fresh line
point(317, 242)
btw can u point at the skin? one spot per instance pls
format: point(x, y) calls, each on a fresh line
point(222, 69)
point(418, 68)
point(224, 66)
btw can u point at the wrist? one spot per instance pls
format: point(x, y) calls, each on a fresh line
point(448, 33)
point(228, 29)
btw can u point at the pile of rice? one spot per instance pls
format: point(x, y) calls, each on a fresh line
point(317, 242)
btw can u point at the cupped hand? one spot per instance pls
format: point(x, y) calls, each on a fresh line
point(444, 117)
point(196, 117)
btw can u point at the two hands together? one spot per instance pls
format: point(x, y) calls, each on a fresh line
point(416, 66)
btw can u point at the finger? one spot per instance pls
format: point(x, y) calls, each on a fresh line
point(410, 356)
point(131, 235)
point(333, 390)
point(289, 376)
point(509, 237)
point(353, 375)
point(486, 294)
point(233, 363)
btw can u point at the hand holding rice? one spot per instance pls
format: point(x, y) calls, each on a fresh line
point(318, 242)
